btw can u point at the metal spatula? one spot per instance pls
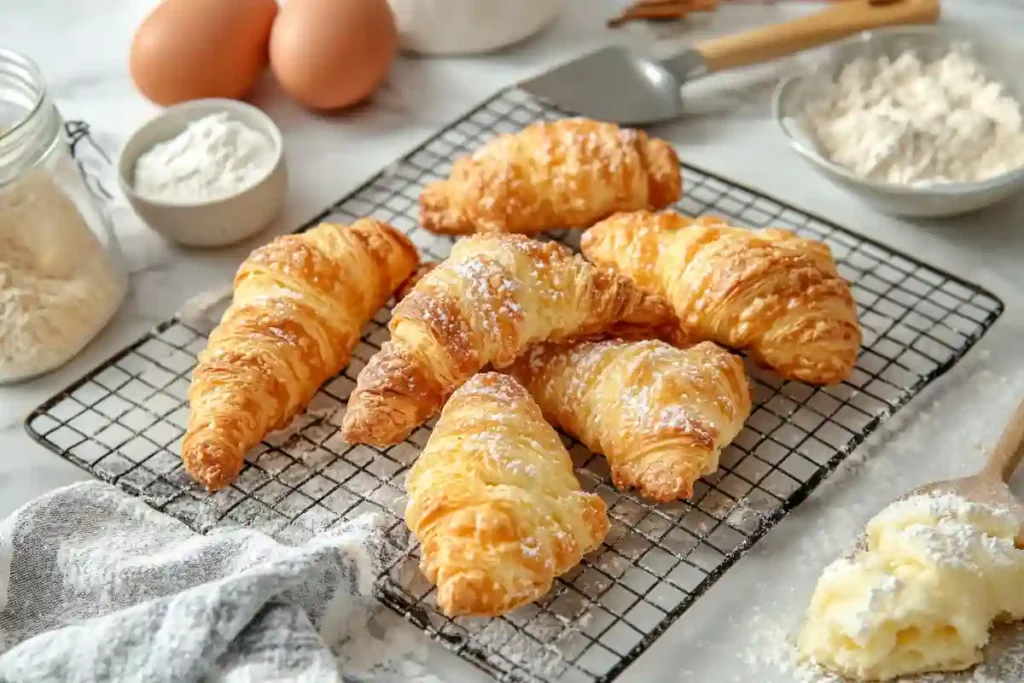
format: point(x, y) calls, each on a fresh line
point(615, 85)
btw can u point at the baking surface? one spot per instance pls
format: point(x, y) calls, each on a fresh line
point(125, 423)
point(734, 632)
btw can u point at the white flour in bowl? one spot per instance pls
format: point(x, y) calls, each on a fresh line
point(213, 158)
point(910, 122)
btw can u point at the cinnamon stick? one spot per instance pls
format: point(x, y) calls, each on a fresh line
point(661, 10)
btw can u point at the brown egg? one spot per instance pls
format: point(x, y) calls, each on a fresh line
point(189, 49)
point(329, 54)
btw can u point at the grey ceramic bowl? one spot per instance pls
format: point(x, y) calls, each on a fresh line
point(929, 42)
point(207, 223)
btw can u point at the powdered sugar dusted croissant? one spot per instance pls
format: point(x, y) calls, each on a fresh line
point(768, 291)
point(299, 306)
point(494, 502)
point(560, 174)
point(660, 415)
point(491, 299)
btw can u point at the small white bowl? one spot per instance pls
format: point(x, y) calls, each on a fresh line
point(207, 223)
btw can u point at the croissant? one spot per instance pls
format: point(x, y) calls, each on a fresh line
point(494, 296)
point(299, 306)
point(660, 415)
point(768, 291)
point(561, 174)
point(495, 504)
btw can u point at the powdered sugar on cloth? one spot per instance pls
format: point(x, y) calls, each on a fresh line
point(97, 586)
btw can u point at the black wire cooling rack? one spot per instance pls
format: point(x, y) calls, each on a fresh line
point(125, 420)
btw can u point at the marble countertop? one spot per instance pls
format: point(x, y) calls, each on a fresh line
point(733, 633)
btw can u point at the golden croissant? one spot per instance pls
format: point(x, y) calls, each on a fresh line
point(495, 504)
point(561, 174)
point(768, 291)
point(299, 306)
point(660, 415)
point(494, 296)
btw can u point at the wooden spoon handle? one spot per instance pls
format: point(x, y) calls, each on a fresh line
point(1008, 453)
point(844, 19)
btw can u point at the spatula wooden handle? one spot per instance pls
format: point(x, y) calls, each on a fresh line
point(1009, 451)
point(844, 19)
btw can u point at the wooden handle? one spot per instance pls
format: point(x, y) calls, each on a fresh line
point(840, 21)
point(1008, 453)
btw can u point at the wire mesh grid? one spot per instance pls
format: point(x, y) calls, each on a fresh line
point(124, 422)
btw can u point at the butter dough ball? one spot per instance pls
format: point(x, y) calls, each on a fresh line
point(936, 573)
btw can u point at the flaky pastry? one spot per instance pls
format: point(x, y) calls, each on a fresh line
point(495, 504)
point(299, 306)
point(767, 291)
point(491, 299)
point(559, 174)
point(660, 415)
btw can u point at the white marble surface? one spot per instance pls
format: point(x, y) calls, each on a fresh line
point(728, 635)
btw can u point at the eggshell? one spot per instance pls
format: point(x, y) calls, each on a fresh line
point(329, 54)
point(191, 49)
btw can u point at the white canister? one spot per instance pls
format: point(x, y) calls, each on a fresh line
point(463, 27)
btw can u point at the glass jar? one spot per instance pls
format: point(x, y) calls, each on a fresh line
point(62, 276)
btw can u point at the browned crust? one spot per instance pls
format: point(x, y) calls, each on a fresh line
point(263, 362)
point(522, 183)
point(471, 529)
point(798, 315)
point(661, 460)
point(433, 350)
point(665, 181)
point(396, 394)
point(437, 213)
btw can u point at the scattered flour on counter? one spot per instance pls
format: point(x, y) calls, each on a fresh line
point(367, 646)
point(910, 122)
point(374, 651)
